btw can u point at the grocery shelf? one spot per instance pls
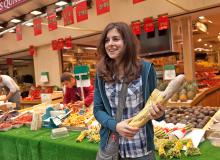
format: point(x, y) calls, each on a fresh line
point(206, 97)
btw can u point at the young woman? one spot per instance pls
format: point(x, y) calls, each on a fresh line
point(119, 63)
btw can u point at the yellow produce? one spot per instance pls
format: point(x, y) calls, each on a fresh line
point(82, 135)
point(157, 97)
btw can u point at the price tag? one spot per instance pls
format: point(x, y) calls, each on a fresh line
point(169, 72)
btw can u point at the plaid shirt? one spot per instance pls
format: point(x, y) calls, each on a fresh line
point(137, 147)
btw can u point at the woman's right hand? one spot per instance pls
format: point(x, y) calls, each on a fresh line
point(125, 130)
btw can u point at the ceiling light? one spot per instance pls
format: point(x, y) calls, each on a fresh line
point(36, 13)
point(1, 27)
point(15, 20)
point(11, 31)
point(210, 46)
point(210, 21)
point(61, 3)
point(201, 17)
point(90, 48)
point(219, 37)
point(201, 26)
point(205, 44)
point(29, 24)
point(199, 40)
point(67, 55)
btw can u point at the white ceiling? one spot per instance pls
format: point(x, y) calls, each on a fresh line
point(209, 38)
point(24, 9)
point(121, 10)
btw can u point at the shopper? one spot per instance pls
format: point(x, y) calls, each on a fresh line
point(118, 64)
point(72, 94)
point(12, 90)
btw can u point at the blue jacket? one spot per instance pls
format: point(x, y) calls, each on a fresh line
point(102, 109)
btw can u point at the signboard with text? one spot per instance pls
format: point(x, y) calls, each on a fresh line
point(6, 5)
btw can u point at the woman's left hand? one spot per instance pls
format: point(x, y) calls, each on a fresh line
point(157, 111)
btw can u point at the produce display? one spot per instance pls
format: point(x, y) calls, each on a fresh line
point(5, 126)
point(209, 83)
point(8, 115)
point(92, 134)
point(77, 120)
point(11, 120)
point(187, 92)
point(169, 149)
point(198, 116)
point(166, 131)
point(156, 97)
point(25, 119)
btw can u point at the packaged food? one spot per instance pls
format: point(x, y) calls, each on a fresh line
point(215, 127)
point(5, 127)
point(214, 138)
point(59, 133)
point(16, 124)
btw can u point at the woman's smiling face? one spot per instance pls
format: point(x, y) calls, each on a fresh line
point(114, 45)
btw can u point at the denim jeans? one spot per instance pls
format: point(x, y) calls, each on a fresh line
point(16, 99)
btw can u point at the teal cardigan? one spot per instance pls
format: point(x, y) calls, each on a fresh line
point(102, 109)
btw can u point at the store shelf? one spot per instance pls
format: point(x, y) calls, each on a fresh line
point(160, 54)
point(211, 121)
point(206, 97)
point(57, 97)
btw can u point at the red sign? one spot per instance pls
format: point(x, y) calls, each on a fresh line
point(60, 43)
point(19, 32)
point(32, 50)
point(68, 15)
point(6, 5)
point(81, 11)
point(102, 6)
point(54, 44)
point(68, 43)
point(9, 61)
point(148, 25)
point(136, 27)
point(37, 26)
point(163, 22)
point(52, 21)
point(137, 1)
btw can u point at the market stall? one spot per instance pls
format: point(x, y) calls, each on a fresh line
point(25, 144)
point(56, 97)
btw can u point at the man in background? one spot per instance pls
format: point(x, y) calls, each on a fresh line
point(12, 90)
point(72, 94)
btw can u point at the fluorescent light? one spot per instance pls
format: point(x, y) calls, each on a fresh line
point(199, 40)
point(205, 44)
point(201, 17)
point(90, 48)
point(210, 46)
point(210, 21)
point(15, 20)
point(61, 3)
point(11, 31)
point(36, 13)
point(67, 55)
point(29, 24)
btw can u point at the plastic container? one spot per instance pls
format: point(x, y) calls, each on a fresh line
point(214, 138)
point(17, 125)
point(215, 127)
point(59, 133)
point(5, 127)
